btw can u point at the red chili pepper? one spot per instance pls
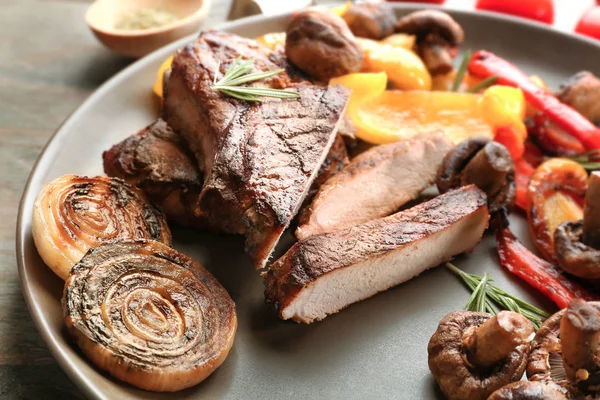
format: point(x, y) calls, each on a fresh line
point(553, 138)
point(511, 139)
point(589, 24)
point(485, 64)
point(524, 168)
point(540, 274)
point(539, 10)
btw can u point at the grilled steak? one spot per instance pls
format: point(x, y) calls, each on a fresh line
point(336, 159)
point(375, 184)
point(259, 159)
point(321, 275)
point(157, 160)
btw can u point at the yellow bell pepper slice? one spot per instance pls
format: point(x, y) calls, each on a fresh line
point(364, 85)
point(404, 68)
point(403, 40)
point(158, 84)
point(504, 106)
point(274, 40)
point(396, 115)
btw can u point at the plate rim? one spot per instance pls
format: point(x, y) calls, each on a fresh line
point(78, 377)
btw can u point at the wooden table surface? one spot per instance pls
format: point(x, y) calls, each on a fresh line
point(49, 63)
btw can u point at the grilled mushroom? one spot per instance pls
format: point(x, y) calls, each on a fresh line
point(577, 243)
point(527, 390)
point(482, 162)
point(437, 37)
point(370, 20)
point(565, 350)
point(582, 92)
point(473, 354)
point(320, 43)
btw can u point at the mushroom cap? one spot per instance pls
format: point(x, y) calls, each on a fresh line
point(370, 20)
point(448, 360)
point(450, 174)
point(527, 390)
point(321, 44)
point(574, 256)
point(424, 23)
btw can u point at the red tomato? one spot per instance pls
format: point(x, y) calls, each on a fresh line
point(421, 1)
point(589, 24)
point(539, 10)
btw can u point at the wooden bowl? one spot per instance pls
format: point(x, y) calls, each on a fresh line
point(103, 15)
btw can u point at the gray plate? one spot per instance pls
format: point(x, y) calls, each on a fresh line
point(374, 349)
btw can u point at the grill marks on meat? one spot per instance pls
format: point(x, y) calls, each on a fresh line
point(157, 161)
point(259, 159)
point(336, 159)
point(320, 275)
point(375, 184)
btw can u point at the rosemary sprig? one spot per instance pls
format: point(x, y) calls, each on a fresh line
point(590, 160)
point(489, 81)
point(479, 296)
point(241, 72)
point(504, 300)
point(462, 70)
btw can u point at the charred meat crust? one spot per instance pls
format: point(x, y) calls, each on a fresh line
point(157, 160)
point(318, 255)
point(259, 159)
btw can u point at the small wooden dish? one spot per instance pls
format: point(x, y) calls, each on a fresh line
point(103, 15)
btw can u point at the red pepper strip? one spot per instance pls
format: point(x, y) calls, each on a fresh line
point(524, 168)
point(511, 139)
point(552, 138)
point(485, 64)
point(539, 273)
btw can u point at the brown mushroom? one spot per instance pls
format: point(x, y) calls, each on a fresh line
point(473, 354)
point(582, 92)
point(580, 340)
point(320, 43)
point(370, 20)
point(527, 390)
point(484, 163)
point(437, 34)
point(577, 243)
point(565, 351)
point(545, 362)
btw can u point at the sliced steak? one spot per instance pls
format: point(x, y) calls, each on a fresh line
point(259, 159)
point(325, 273)
point(375, 184)
point(157, 160)
point(336, 159)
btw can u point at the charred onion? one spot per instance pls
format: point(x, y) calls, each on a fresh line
point(73, 214)
point(149, 315)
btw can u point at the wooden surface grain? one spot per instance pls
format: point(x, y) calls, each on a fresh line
point(49, 63)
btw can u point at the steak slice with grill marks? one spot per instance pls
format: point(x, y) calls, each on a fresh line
point(259, 159)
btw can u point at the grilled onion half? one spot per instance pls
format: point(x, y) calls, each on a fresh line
point(149, 315)
point(75, 213)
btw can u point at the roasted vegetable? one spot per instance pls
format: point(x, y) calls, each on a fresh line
point(556, 193)
point(540, 274)
point(472, 354)
point(577, 243)
point(274, 41)
point(485, 64)
point(524, 169)
point(404, 68)
point(539, 10)
point(437, 34)
point(158, 84)
point(399, 115)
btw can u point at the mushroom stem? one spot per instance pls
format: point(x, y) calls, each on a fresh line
point(436, 57)
point(580, 338)
point(591, 212)
point(496, 338)
point(488, 169)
